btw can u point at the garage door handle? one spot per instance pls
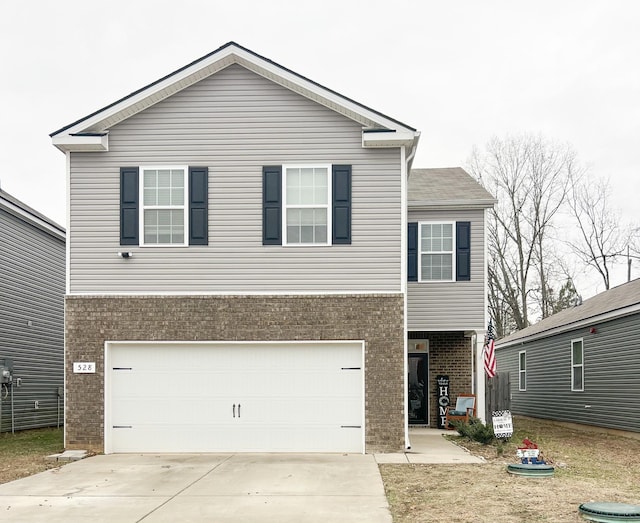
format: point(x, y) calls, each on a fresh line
point(238, 409)
point(234, 410)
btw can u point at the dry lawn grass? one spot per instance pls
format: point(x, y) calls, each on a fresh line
point(589, 466)
point(23, 453)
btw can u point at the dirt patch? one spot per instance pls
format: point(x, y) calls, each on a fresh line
point(589, 466)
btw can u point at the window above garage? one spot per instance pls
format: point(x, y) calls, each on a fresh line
point(163, 205)
point(164, 213)
point(306, 204)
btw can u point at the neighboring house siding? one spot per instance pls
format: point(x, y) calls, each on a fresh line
point(32, 286)
point(235, 122)
point(457, 305)
point(611, 397)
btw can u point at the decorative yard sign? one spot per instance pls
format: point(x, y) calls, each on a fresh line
point(502, 423)
point(443, 400)
point(84, 367)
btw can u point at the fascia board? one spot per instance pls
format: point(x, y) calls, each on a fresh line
point(104, 118)
point(68, 143)
point(449, 205)
point(389, 138)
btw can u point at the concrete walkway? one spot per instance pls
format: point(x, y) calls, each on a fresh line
point(429, 446)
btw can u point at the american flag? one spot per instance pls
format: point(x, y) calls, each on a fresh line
point(490, 352)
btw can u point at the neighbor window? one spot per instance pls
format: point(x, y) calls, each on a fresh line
point(437, 243)
point(522, 370)
point(307, 217)
point(164, 213)
point(577, 365)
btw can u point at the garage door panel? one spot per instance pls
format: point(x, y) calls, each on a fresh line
point(169, 437)
point(185, 397)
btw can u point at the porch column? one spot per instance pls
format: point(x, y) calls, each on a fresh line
point(480, 377)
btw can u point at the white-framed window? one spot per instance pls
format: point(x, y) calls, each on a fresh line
point(577, 365)
point(307, 204)
point(522, 370)
point(163, 215)
point(436, 247)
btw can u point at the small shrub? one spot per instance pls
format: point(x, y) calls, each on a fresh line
point(475, 430)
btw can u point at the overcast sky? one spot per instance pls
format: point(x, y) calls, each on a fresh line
point(460, 72)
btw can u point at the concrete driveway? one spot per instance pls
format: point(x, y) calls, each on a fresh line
point(203, 487)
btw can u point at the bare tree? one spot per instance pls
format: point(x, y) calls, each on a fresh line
point(530, 176)
point(602, 240)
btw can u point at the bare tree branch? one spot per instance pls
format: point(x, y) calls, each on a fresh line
point(530, 176)
point(602, 239)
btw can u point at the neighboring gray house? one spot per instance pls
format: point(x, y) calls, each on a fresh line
point(239, 265)
point(581, 365)
point(32, 287)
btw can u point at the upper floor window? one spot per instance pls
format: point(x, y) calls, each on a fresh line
point(307, 203)
point(522, 370)
point(577, 365)
point(437, 254)
point(164, 213)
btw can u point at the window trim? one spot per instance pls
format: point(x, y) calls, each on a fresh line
point(522, 372)
point(453, 250)
point(574, 366)
point(328, 206)
point(184, 206)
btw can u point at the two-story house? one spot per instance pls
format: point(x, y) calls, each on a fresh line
point(239, 269)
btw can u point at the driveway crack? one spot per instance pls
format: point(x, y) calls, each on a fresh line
point(185, 488)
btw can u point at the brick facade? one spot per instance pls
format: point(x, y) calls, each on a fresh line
point(377, 319)
point(450, 353)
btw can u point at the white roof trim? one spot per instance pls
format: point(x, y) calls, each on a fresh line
point(81, 143)
point(450, 204)
point(389, 138)
point(231, 53)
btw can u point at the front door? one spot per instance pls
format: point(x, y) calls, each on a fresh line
point(418, 389)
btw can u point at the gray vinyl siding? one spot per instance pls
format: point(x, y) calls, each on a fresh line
point(235, 122)
point(611, 376)
point(32, 286)
point(457, 305)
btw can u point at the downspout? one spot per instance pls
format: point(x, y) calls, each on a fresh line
point(405, 165)
point(67, 292)
point(474, 363)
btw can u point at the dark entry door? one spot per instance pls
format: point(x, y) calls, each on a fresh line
point(418, 390)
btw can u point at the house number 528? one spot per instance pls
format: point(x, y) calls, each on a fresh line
point(84, 367)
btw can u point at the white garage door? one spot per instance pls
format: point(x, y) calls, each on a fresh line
point(234, 397)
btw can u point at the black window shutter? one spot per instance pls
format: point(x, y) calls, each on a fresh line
point(412, 251)
point(129, 214)
point(198, 202)
point(463, 251)
point(272, 205)
point(341, 188)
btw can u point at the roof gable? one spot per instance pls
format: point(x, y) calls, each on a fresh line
point(91, 132)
